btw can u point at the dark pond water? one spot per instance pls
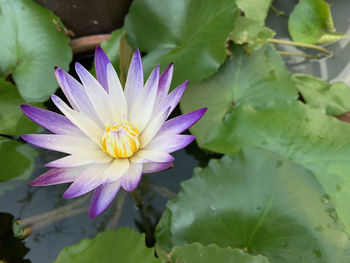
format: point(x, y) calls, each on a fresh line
point(68, 227)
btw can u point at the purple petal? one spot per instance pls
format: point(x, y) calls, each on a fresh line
point(76, 95)
point(164, 82)
point(170, 143)
point(51, 121)
point(155, 167)
point(103, 197)
point(67, 84)
point(55, 176)
point(134, 80)
point(173, 98)
point(132, 177)
point(101, 62)
point(182, 122)
point(89, 179)
point(150, 155)
point(60, 143)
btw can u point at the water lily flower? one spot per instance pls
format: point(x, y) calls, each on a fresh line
point(111, 135)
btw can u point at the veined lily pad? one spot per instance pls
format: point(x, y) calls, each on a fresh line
point(255, 80)
point(32, 44)
point(260, 202)
point(197, 253)
point(123, 245)
point(189, 33)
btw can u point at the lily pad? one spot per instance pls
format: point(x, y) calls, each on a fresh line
point(248, 31)
point(16, 162)
point(123, 245)
point(13, 121)
point(32, 44)
point(255, 9)
point(311, 22)
point(303, 135)
point(260, 202)
point(255, 80)
point(208, 254)
point(189, 33)
point(333, 98)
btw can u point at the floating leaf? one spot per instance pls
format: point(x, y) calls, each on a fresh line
point(333, 98)
point(123, 245)
point(255, 80)
point(303, 135)
point(260, 202)
point(16, 162)
point(248, 31)
point(255, 9)
point(212, 253)
point(311, 22)
point(13, 121)
point(31, 46)
point(189, 33)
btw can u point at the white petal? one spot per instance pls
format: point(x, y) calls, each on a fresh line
point(141, 111)
point(61, 143)
point(147, 156)
point(117, 99)
point(134, 80)
point(116, 169)
point(87, 157)
point(152, 128)
point(97, 94)
point(84, 123)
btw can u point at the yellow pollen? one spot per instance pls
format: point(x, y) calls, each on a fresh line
point(120, 141)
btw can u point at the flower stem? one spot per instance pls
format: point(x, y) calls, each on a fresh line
point(278, 12)
point(137, 198)
point(297, 44)
point(284, 53)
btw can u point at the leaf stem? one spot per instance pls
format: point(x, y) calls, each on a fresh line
point(297, 44)
point(137, 198)
point(278, 12)
point(284, 53)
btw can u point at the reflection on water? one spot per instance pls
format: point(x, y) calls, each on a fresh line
point(68, 222)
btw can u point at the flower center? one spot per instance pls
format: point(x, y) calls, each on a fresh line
point(120, 141)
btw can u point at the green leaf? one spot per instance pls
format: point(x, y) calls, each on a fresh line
point(16, 162)
point(189, 33)
point(260, 202)
point(311, 22)
point(123, 245)
point(333, 98)
point(305, 136)
point(255, 9)
point(197, 253)
point(111, 47)
point(32, 45)
point(13, 121)
point(255, 80)
point(248, 31)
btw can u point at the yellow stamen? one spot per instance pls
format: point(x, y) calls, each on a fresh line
point(120, 141)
